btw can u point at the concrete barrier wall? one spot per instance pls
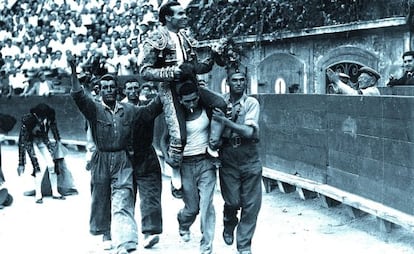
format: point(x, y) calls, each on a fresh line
point(362, 145)
point(70, 121)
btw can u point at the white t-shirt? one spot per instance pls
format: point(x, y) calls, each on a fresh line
point(197, 135)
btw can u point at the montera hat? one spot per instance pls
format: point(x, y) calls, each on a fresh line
point(369, 71)
point(5, 198)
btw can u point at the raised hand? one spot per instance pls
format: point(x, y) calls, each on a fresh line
point(72, 62)
point(332, 76)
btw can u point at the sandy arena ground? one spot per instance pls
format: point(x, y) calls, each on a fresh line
point(286, 223)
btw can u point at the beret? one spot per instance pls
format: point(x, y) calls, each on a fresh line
point(369, 71)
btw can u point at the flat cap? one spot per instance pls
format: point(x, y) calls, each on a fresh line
point(343, 75)
point(369, 71)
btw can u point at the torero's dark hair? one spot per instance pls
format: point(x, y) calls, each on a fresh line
point(166, 10)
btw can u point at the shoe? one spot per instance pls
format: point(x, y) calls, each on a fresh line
point(228, 238)
point(69, 192)
point(150, 241)
point(59, 197)
point(185, 235)
point(106, 237)
point(107, 245)
point(245, 252)
point(29, 193)
point(122, 250)
point(39, 201)
point(107, 241)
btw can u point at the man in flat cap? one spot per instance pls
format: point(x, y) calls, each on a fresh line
point(366, 85)
point(112, 187)
point(407, 78)
point(345, 78)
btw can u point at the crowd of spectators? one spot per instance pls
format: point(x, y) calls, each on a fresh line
point(37, 37)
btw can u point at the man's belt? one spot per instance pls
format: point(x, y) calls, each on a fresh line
point(194, 158)
point(238, 141)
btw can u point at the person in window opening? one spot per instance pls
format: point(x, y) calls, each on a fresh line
point(345, 78)
point(408, 65)
point(366, 85)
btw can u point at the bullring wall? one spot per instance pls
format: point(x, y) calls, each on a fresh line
point(362, 145)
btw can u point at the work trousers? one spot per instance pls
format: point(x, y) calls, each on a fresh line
point(241, 188)
point(198, 185)
point(112, 208)
point(148, 183)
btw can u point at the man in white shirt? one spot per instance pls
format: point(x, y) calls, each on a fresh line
point(366, 85)
point(197, 169)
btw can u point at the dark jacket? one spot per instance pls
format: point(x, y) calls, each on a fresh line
point(406, 79)
point(33, 128)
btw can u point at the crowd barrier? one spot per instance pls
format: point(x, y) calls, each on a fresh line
point(358, 145)
point(71, 123)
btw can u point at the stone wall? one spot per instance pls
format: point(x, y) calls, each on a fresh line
point(303, 57)
point(362, 145)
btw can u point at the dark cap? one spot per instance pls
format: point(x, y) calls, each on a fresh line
point(109, 77)
point(231, 70)
point(369, 71)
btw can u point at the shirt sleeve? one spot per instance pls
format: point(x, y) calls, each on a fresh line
point(85, 104)
point(150, 111)
point(251, 118)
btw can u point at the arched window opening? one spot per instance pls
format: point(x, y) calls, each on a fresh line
point(224, 87)
point(348, 68)
point(280, 86)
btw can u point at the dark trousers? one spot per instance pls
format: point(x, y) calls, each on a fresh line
point(148, 184)
point(241, 188)
point(199, 181)
point(2, 179)
point(112, 208)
